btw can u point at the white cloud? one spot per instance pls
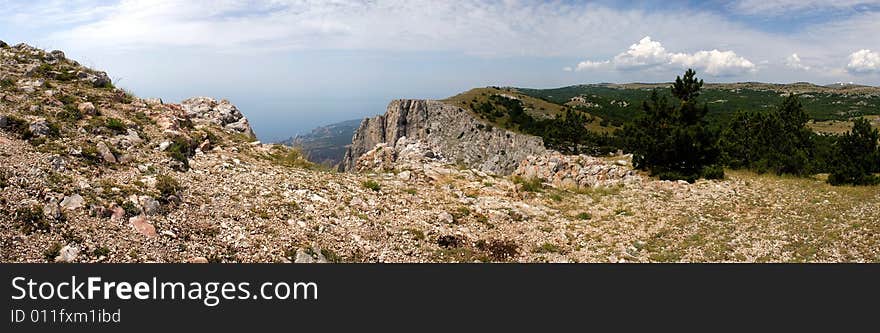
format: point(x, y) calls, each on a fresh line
point(646, 53)
point(794, 62)
point(864, 61)
point(588, 65)
point(650, 54)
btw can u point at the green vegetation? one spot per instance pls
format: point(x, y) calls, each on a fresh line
point(548, 248)
point(584, 216)
point(672, 140)
point(180, 150)
point(7, 84)
point(778, 141)
point(566, 132)
point(102, 251)
point(53, 251)
point(290, 157)
point(32, 219)
point(18, 126)
point(619, 104)
point(69, 114)
point(372, 185)
point(529, 184)
point(167, 187)
point(857, 156)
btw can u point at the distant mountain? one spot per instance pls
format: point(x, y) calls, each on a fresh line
point(326, 144)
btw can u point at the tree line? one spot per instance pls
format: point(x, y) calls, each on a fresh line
point(672, 140)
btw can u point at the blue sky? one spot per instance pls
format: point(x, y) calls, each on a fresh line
point(291, 65)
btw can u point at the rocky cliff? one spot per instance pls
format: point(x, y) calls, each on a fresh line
point(447, 129)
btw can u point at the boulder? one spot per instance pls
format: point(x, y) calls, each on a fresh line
point(39, 128)
point(105, 153)
point(143, 226)
point(150, 206)
point(72, 202)
point(56, 55)
point(67, 254)
point(222, 113)
point(51, 210)
point(87, 108)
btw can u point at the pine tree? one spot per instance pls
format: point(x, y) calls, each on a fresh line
point(673, 140)
point(778, 141)
point(856, 156)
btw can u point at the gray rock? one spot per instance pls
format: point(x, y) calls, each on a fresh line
point(302, 257)
point(51, 210)
point(67, 254)
point(97, 79)
point(57, 55)
point(57, 162)
point(223, 113)
point(445, 217)
point(40, 127)
point(310, 257)
point(151, 206)
point(105, 152)
point(72, 202)
point(87, 108)
point(448, 130)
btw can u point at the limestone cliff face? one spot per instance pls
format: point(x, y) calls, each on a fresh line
point(447, 129)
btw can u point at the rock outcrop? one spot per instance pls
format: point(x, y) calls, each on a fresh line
point(577, 172)
point(448, 130)
point(223, 113)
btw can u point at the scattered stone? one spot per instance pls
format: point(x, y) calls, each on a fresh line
point(72, 202)
point(143, 226)
point(105, 153)
point(39, 128)
point(198, 260)
point(67, 254)
point(151, 206)
point(445, 217)
point(51, 210)
point(87, 108)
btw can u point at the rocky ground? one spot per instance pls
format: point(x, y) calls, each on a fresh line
point(89, 173)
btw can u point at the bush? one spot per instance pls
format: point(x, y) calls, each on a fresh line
point(499, 250)
point(530, 184)
point(7, 83)
point(53, 251)
point(69, 114)
point(32, 219)
point(372, 185)
point(102, 251)
point(116, 126)
point(857, 156)
point(180, 150)
point(673, 140)
point(18, 126)
point(167, 187)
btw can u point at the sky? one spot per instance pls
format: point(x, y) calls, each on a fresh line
point(291, 65)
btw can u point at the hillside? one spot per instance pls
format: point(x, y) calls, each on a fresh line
point(619, 103)
point(325, 145)
point(90, 173)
